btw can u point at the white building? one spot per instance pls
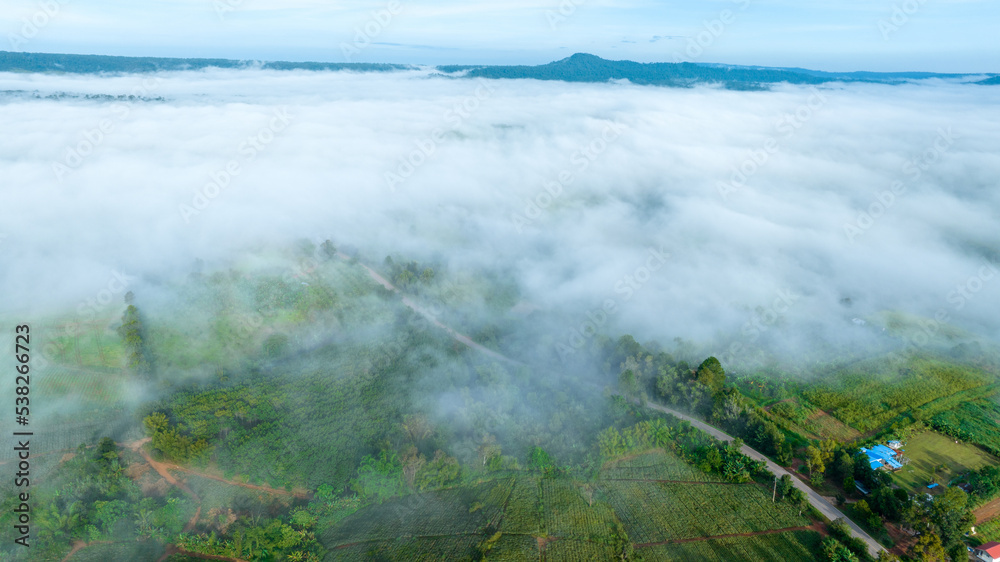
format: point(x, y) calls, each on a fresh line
point(989, 552)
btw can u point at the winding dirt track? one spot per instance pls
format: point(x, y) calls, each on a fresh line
point(817, 501)
point(163, 469)
point(80, 545)
point(461, 338)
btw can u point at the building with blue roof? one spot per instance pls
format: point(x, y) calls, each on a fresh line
point(881, 456)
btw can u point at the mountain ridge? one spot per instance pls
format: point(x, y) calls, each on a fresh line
point(579, 67)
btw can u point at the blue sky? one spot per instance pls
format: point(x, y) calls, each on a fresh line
point(930, 35)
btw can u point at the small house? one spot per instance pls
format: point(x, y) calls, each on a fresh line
point(881, 456)
point(988, 552)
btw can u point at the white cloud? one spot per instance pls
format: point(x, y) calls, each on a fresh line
point(656, 185)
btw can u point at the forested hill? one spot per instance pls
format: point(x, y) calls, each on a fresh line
point(83, 64)
point(589, 68)
point(577, 68)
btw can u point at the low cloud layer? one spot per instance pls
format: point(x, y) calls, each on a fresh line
point(799, 215)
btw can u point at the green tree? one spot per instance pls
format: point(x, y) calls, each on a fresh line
point(379, 478)
point(438, 472)
point(814, 460)
point(538, 459)
point(950, 513)
point(620, 542)
point(785, 486)
point(711, 374)
point(798, 498)
point(628, 383)
point(834, 551)
point(849, 485)
point(928, 548)
point(328, 250)
point(844, 465)
point(816, 479)
point(865, 513)
point(132, 334)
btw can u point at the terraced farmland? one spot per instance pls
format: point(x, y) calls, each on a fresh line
point(654, 512)
point(563, 519)
point(792, 545)
point(656, 465)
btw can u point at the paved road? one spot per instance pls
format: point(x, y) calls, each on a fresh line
point(817, 501)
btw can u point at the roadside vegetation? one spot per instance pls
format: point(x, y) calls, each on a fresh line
point(297, 409)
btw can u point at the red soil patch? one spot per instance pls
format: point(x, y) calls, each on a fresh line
point(80, 545)
point(988, 511)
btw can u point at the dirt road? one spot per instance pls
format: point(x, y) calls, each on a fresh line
point(819, 502)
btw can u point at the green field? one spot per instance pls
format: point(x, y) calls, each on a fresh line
point(975, 422)
point(794, 545)
point(654, 496)
point(869, 394)
point(811, 422)
point(656, 465)
point(130, 550)
point(656, 512)
point(929, 450)
point(988, 531)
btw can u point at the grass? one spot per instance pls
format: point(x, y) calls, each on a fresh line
point(878, 533)
point(974, 421)
point(989, 531)
point(811, 422)
point(929, 450)
point(576, 518)
point(826, 426)
point(789, 546)
point(657, 464)
point(869, 394)
point(656, 512)
point(130, 550)
point(417, 548)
